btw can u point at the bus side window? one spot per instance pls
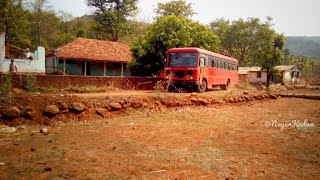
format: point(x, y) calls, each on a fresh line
point(201, 62)
point(213, 63)
point(207, 62)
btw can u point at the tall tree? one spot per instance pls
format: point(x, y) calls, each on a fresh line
point(239, 37)
point(268, 53)
point(165, 33)
point(14, 22)
point(175, 7)
point(112, 15)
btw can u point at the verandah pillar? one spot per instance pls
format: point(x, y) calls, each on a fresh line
point(104, 68)
point(121, 69)
point(85, 67)
point(64, 67)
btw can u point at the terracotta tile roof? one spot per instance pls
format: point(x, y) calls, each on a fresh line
point(93, 50)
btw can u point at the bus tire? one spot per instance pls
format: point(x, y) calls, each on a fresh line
point(203, 86)
point(225, 86)
point(171, 88)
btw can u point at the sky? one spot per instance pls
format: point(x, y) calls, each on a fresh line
point(290, 17)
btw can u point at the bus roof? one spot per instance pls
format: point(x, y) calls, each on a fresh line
point(198, 50)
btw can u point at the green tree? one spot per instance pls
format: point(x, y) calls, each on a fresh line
point(175, 7)
point(165, 33)
point(240, 38)
point(269, 52)
point(111, 16)
point(14, 22)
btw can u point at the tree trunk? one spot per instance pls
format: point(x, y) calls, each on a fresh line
point(268, 77)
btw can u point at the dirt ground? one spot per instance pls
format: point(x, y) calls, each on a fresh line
point(191, 142)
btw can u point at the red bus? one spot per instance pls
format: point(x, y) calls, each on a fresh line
point(199, 69)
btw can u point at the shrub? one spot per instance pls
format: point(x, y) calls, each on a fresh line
point(6, 84)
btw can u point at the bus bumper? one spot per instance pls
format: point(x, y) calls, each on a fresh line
point(184, 83)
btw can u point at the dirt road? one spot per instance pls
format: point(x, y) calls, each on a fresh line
point(219, 141)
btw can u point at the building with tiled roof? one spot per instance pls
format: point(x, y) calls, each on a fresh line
point(89, 57)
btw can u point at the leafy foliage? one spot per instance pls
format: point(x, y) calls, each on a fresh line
point(6, 83)
point(242, 38)
point(111, 16)
point(175, 7)
point(252, 42)
point(165, 33)
point(14, 22)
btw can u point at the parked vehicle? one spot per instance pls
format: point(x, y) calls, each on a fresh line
point(199, 69)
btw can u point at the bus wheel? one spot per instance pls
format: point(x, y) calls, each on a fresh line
point(171, 88)
point(203, 86)
point(225, 86)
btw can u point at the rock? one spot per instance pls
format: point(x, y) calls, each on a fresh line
point(272, 96)
point(47, 169)
point(158, 103)
point(44, 131)
point(246, 92)
point(203, 102)
point(194, 95)
point(115, 106)
point(17, 90)
point(102, 112)
point(126, 105)
point(77, 106)
point(4, 128)
point(62, 106)
point(247, 98)
point(136, 104)
point(231, 100)
point(122, 102)
point(51, 110)
point(29, 114)
point(194, 100)
point(11, 113)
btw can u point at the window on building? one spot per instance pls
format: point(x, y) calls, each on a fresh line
point(259, 74)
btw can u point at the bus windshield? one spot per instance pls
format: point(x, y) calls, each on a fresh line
point(183, 59)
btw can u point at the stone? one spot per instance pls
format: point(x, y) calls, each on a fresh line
point(115, 106)
point(62, 106)
point(194, 100)
point(194, 95)
point(17, 90)
point(272, 96)
point(29, 114)
point(246, 92)
point(231, 100)
point(12, 113)
point(203, 102)
point(51, 110)
point(122, 102)
point(102, 112)
point(247, 98)
point(158, 103)
point(77, 107)
point(136, 104)
point(44, 131)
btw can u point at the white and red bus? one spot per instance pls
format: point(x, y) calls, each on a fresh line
point(199, 69)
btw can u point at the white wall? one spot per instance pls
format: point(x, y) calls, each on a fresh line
point(37, 65)
point(2, 50)
point(253, 77)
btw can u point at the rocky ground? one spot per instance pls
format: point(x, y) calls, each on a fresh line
point(218, 134)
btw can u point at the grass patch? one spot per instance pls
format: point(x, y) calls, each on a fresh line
point(6, 84)
point(88, 89)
